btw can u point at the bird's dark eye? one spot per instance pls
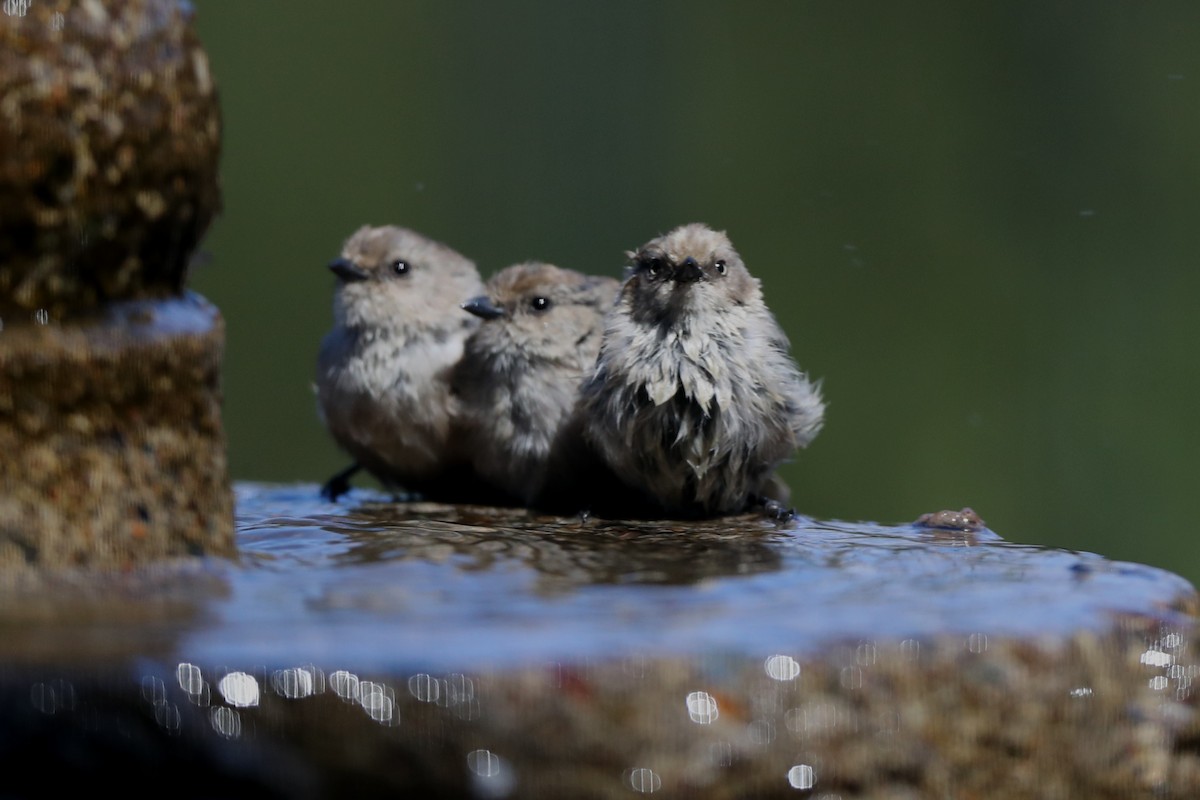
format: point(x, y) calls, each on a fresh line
point(540, 303)
point(720, 265)
point(400, 266)
point(654, 266)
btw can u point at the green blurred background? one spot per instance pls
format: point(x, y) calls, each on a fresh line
point(979, 223)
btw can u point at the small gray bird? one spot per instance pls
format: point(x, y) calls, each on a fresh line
point(383, 372)
point(519, 379)
point(694, 399)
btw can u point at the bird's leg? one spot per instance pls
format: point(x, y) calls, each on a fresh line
point(339, 484)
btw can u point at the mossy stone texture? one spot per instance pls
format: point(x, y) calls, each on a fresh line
point(110, 397)
point(109, 142)
point(111, 430)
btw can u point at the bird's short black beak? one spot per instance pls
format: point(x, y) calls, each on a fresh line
point(689, 271)
point(483, 308)
point(347, 270)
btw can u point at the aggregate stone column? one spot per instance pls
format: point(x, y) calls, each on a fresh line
point(111, 446)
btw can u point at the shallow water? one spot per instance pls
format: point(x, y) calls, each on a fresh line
point(372, 584)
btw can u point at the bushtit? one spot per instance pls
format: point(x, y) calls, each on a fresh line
point(383, 373)
point(694, 399)
point(519, 378)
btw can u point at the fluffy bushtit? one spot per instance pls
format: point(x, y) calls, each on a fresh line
point(519, 378)
point(694, 399)
point(383, 373)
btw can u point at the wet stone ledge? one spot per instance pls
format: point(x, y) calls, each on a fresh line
point(380, 649)
point(111, 430)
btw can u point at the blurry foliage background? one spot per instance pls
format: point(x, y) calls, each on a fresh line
point(979, 223)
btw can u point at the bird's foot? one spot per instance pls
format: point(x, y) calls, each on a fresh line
point(774, 510)
point(339, 484)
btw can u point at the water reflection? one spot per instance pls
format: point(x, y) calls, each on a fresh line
point(239, 689)
point(344, 685)
point(801, 777)
point(564, 553)
point(783, 668)
point(97, 617)
point(52, 697)
point(190, 679)
point(761, 732)
point(492, 776)
point(644, 780)
point(379, 701)
point(298, 682)
point(226, 722)
point(702, 708)
point(424, 687)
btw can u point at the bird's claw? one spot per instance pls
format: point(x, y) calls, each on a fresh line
point(773, 509)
